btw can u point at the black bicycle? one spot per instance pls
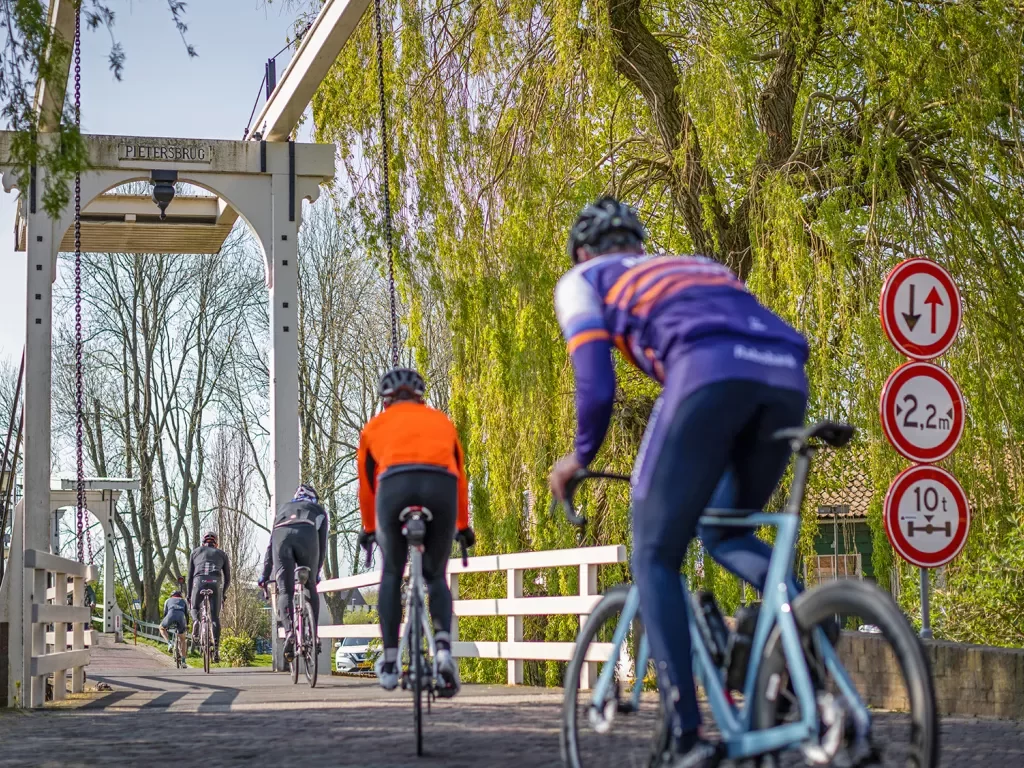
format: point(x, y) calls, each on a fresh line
point(420, 671)
point(206, 640)
point(179, 656)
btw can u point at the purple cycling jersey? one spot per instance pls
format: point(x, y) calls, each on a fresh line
point(670, 316)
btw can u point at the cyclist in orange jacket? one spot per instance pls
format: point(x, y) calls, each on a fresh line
point(410, 455)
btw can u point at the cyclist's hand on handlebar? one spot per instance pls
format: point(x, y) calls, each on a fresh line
point(466, 538)
point(367, 539)
point(561, 473)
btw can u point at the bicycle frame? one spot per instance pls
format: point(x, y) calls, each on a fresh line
point(417, 599)
point(298, 603)
point(735, 721)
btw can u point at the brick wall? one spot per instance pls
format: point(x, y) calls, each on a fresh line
point(969, 679)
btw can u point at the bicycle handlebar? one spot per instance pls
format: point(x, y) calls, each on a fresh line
point(369, 554)
point(570, 491)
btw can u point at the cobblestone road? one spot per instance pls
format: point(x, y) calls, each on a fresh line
point(235, 718)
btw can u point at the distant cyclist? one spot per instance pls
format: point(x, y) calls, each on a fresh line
point(732, 372)
point(410, 455)
point(208, 566)
point(176, 615)
point(299, 538)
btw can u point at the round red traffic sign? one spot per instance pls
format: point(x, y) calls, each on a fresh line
point(920, 309)
point(926, 516)
point(922, 412)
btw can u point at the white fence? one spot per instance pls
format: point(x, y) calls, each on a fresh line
point(513, 606)
point(49, 652)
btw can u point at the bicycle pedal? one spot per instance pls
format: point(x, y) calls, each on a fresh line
point(601, 717)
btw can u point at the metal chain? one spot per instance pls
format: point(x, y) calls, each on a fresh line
point(79, 389)
point(386, 162)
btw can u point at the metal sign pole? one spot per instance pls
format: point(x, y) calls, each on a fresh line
point(926, 621)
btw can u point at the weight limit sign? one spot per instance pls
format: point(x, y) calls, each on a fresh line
point(922, 412)
point(926, 516)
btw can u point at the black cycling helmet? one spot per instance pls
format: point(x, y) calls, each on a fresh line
point(306, 492)
point(210, 538)
point(401, 380)
point(603, 226)
point(176, 593)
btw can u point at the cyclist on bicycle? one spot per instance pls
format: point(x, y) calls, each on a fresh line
point(175, 615)
point(410, 455)
point(207, 565)
point(299, 538)
point(732, 373)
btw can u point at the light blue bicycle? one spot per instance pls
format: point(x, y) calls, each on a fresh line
point(778, 687)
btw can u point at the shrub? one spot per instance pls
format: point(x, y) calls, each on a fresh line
point(238, 650)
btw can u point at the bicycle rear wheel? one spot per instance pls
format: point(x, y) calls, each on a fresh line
point(907, 740)
point(309, 657)
point(582, 745)
point(416, 666)
point(207, 641)
point(293, 665)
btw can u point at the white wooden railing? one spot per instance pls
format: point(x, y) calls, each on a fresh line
point(513, 606)
point(49, 653)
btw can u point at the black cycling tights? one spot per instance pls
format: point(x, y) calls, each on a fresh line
point(438, 492)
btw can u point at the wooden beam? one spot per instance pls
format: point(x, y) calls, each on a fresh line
point(49, 99)
point(309, 66)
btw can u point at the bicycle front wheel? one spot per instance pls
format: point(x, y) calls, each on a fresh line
point(416, 667)
point(309, 644)
point(907, 737)
point(619, 734)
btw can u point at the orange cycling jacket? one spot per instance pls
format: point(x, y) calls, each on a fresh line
point(408, 433)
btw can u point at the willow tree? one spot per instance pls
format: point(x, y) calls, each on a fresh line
point(810, 144)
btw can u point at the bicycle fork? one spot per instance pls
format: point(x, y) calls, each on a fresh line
point(604, 701)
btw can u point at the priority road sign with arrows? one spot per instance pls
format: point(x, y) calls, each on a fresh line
point(920, 309)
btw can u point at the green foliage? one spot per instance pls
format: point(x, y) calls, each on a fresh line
point(360, 617)
point(238, 650)
point(810, 144)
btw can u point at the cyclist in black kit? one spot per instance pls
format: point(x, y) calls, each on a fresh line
point(206, 565)
point(299, 538)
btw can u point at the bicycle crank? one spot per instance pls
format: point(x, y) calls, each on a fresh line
point(833, 716)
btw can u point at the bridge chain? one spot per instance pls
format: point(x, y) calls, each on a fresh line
point(79, 388)
point(386, 163)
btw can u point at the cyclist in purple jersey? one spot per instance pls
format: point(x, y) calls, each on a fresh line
point(732, 374)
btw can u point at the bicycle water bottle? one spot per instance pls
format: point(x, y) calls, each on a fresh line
point(718, 633)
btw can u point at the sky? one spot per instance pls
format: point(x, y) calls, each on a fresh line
point(163, 93)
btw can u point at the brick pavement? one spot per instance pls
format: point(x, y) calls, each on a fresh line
point(238, 717)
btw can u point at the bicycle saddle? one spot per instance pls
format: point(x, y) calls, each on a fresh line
point(416, 511)
point(830, 432)
point(302, 574)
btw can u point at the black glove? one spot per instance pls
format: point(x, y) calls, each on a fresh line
point(367, 539)
point(466, 538)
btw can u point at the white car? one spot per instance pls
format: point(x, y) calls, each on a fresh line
point(352, 655)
